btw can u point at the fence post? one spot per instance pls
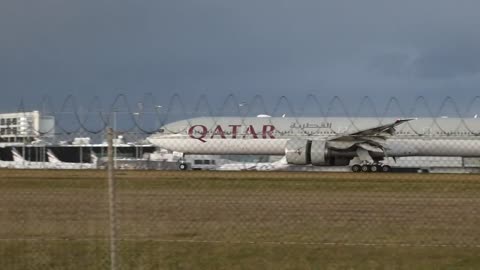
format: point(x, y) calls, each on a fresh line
point(111, 200)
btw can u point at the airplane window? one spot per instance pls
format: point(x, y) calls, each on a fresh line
point(161, 130)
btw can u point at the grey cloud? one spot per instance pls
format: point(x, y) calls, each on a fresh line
point(447, 59)
point(271, 47)
point(391, 64)
point(463, 60)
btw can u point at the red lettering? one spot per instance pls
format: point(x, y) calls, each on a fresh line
point(250, 131)
point(234, 130)
point(268, 130)
point(199, 132)
point(195, 134)
point(218, 131)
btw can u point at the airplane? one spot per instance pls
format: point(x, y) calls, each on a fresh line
point(53, 162)
point(332, 141)
point(72, 165)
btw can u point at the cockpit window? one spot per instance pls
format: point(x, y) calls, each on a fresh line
point(161, 130)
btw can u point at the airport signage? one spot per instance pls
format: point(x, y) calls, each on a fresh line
point(201, 132)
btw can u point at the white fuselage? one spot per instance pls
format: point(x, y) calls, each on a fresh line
point(268, 136)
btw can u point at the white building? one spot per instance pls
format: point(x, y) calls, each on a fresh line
point(25, 126)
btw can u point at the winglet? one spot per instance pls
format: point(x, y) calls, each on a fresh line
point(400, 120)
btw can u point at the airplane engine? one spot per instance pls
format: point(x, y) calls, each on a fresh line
point(305, 152)
point(319, 153)
point(297, 151)
point(316, 152)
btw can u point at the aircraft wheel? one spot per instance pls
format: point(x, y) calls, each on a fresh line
point(386, 168)
point(182, 166)
point(374, 168)
point(356, 168)
point(365, 168)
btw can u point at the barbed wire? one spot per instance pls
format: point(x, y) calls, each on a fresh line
point(149, 115)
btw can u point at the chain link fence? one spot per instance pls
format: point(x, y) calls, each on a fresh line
point(74, 198)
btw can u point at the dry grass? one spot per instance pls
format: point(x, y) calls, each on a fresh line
point(242, 220)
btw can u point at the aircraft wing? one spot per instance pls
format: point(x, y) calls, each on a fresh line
point(366, 141)
point(370, 133)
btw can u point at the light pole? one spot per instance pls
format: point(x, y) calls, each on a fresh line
point(157, 108)
point(136, 114)
point(115, 138)
point(243, 107)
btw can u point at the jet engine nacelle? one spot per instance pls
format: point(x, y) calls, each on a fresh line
point(298, 152)
point(319, 153)
point(304, 152)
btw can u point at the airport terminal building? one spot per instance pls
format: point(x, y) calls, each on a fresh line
point(25, 127)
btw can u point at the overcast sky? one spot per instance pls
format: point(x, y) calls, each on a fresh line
point(215, 47)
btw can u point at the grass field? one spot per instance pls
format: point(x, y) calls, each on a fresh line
point(240, 220)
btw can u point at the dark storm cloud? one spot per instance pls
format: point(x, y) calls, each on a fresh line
point(394, 64)
point(458, 57)
point(271, 47)
point(460, 60)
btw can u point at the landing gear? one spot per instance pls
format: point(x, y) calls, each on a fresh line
point(366, 168)
point(182, 166)
point(374, 168)
point(182, 163)
point(371, 168)
point(386, 168)
point(356, 168)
